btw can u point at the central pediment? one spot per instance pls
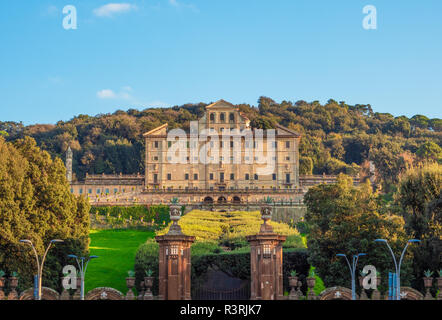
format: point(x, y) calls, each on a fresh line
point(221, 104)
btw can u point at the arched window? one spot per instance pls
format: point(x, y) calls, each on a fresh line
point(232, 117)
point(222, 117)
point(212, 117)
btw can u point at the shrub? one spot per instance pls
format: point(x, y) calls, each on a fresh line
point(230, 229)
point(116, 215)
point(147, 259)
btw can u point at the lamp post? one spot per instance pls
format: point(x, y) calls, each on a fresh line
point(352, 268)
point(83, 269)
point(398, 266)
point(40, 266)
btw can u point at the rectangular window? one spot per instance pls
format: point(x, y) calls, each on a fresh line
point(98, 191)
point(287, 158)
point(231, 144)
point(115, 190)
point(186, 176)
point(155, 178)
point(89, 191)
point(232, 176)
point(169, 144)
point(287, 144)
point(195, 176)
point(81, 190)
point(247, 176)
point(169, 176)
point(155, 158)
point(221, 176)
point(211, 176)
point(287, 177)
point(156, 144)
point(107, 191)
point(274, 176)
point(256, 177)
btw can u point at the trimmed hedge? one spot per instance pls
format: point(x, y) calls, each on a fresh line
point(159, 213)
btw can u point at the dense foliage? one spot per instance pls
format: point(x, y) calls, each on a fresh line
point(36, 204)
point(336, 137)
point(347, 219)
point(419, 198)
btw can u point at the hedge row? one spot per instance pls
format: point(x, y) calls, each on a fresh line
point(159, 213)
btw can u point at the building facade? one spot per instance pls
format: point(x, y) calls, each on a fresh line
point(236, 157)
point(221, 159)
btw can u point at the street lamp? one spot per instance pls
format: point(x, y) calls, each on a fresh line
point(352, 268)
point(398, 267)
point(83, 269)
point(40, 266)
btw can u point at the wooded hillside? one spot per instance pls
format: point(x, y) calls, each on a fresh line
point(336, 137)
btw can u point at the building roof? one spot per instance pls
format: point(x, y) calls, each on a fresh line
point(221, 103)
point(155, 130)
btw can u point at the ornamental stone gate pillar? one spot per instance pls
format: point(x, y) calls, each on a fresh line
point(174, 261)
point(266, 261)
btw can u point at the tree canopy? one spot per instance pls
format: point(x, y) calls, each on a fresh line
point(347, 219)
point(36, 204)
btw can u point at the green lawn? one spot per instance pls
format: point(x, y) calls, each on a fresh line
point(116, 250)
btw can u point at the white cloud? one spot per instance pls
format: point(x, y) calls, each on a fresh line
point(177, 4)
point(106, 94)
point(125, 93)
point(110, 94)
point(110, 9)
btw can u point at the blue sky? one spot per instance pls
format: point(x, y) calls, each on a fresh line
point(137, 54)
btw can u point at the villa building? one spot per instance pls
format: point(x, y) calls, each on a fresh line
point(220, 160)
